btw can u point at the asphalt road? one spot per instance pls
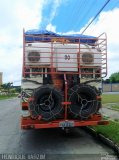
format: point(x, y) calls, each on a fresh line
point(44, 141)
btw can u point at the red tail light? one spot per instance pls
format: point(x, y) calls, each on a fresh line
point(24, 105)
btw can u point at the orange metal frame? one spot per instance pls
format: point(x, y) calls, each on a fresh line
point(101, 43)
point(28, 123)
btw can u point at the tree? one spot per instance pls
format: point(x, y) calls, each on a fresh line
point(114, 77)
point(18, 89)
point(113, 80)
point(7, 86)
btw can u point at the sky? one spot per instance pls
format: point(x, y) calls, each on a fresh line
point(60, 16)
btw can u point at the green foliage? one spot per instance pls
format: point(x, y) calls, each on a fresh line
point(6, 85)
point(110, 98)
point(114, 77)
point(2, 97)
point(9, 88)
point(115, 107)
point(110, 131)
point(13, 90)
point(18, 89)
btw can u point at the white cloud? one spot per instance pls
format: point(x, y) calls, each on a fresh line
point(108, 22)
point(15, 15)
point(29, 13)
point(51, 27)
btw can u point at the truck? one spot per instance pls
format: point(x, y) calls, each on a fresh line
point(61, 79)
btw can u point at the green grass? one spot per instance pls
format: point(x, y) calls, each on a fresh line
point(110, 131)
point(2, 97)
point(115, 107)
point(110, 98)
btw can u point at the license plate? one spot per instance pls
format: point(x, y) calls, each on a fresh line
point(64, 124)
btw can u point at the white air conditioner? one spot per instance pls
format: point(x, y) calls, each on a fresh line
point(89, 56)
point(37, 54)
point(66, 57)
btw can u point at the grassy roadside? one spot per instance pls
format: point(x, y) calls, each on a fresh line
point(110, 131)
point(115, 107)
point(2, 97)
point(111, 101)
point(110, 98)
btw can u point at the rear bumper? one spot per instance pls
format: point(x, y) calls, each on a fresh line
point(28, 123)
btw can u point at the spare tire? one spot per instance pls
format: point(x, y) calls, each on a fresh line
point(84, 101)
point(46, 103)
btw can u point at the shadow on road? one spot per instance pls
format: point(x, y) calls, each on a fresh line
point(49, 140)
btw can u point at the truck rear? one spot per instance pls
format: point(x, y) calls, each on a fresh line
point(61, 80)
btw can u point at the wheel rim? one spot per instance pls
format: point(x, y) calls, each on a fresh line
point(45, 103)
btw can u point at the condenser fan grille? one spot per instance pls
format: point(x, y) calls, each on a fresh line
point(87, 58)
point(33, 56)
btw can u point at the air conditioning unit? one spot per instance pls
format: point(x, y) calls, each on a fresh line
point(37, 54)
point(90, 56)
point(66, 57)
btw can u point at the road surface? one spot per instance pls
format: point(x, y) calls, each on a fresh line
point(44, 141)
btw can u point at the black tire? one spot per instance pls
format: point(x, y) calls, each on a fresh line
point(46, 103)
point(84, 101)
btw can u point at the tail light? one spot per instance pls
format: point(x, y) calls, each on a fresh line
point(24, 105)
point(25, 112)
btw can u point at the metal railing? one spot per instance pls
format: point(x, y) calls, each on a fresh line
point(59, 55)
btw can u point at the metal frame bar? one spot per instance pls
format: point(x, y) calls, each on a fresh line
point(66, 95)
point(28, 123)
